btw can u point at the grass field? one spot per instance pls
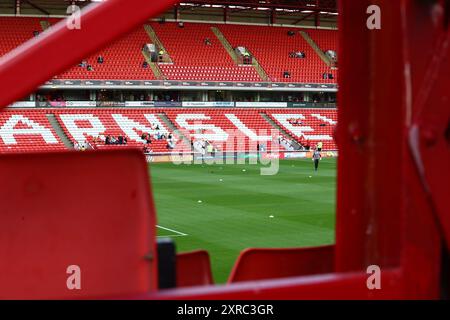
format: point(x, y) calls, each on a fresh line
point(224, 209)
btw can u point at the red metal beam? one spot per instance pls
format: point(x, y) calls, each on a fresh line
point(31, 64)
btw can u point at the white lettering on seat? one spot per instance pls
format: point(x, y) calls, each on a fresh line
point(8, 130)
point(299, 131)
point(324, 119)
point(79, 134)
point(130, 126)
point(218, 135)
point(244, 129)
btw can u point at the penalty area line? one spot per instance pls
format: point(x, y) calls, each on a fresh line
point(177, 233)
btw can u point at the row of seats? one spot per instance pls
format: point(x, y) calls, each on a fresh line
point(27, 131)
point(15, 31)
point(192, 58)
point(228, 129)
point(122, 60)
point(195, 60)
point(272, 47)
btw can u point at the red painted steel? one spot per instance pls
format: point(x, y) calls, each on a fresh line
point(393, 171)
point(327, 286)
point(33, 63)
point(85, 209)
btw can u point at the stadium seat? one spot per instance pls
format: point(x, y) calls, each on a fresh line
point(24, 130)
point(52, 220)
point(258, 264)
point(193, 269)
point(271, 47)
point(15, 31)
point(27, 130)
point(193, 60)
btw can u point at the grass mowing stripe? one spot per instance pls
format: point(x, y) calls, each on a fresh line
point(235, 213)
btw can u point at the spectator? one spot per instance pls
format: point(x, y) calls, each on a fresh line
point(291, 33)
point(145, 65)
point(209, 148)
point(300, 54)
point(207, 42)
point(181, 24)
point(100, 60)
point(247, 58)
point(35, 33)
point(83, 64)
point(286, 74)
point(90, 68)
point(161, 55)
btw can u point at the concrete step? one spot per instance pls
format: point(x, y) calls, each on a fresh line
point(59, 130)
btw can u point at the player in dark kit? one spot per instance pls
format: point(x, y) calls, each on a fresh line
point(316, 158)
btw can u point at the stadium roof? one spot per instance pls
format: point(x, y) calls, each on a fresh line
point(305, 6)
point(311, 5)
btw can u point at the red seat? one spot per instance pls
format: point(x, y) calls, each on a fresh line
point(193, 269)
point(258, 264)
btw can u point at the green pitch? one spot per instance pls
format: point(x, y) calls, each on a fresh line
point(227, 208)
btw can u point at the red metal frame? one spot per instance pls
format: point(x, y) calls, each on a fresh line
point(393, 168)
point(36, 61)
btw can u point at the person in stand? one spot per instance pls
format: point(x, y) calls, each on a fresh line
point(161, 55)
point(319, 146)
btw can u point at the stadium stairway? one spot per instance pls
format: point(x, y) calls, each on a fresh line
point(59, 130)
point(154, 66)
point(225, 44)
point(294, 142)
point(316, 48)
point(173, 128)
point(45, 24)
point(262, 73)
point(154, 37)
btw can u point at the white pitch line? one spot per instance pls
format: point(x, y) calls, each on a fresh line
point(172, 236)
point(180, 234)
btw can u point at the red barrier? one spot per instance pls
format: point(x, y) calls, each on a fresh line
point(60, 48)
point(90, 210)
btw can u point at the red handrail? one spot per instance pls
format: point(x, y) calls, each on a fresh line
point(31, 64)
